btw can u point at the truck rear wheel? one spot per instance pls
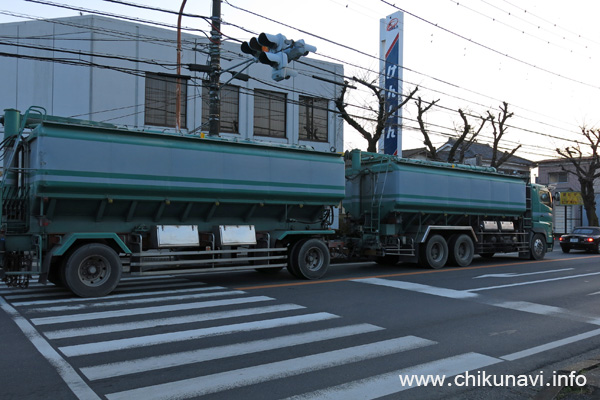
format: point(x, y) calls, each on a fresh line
point(310, 258)
point(461, 250)
point(538, 247)
point(93, 270)
point(435, 253)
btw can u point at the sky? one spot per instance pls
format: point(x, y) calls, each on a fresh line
point(542, 57)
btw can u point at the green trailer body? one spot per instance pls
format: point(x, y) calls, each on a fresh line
point(144, 194)
point(400, 204)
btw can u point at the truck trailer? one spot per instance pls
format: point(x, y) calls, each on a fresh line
point(439, 213)
point(84, 202)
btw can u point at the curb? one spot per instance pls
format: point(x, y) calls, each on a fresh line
point(591, 390)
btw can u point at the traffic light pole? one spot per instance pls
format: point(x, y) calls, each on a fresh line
point(214, 108)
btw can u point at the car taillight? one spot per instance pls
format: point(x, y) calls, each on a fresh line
point(590, 239)
point(561, 239)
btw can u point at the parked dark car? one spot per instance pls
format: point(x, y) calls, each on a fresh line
point(582, 238)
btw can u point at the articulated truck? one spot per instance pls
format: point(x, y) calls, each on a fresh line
point(84, 203)
point(438, 213)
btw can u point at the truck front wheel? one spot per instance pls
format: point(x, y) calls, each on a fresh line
point(93, 270)
point(310, 258)
point(538, 247)
point(435, 253)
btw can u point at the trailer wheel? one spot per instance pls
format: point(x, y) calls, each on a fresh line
point(461, 250)
point(292, 265)
point(311, 258)
point(538, 247)
point(93, 270)
point(435, 253)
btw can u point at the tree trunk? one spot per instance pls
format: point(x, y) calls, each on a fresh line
point(589, 201)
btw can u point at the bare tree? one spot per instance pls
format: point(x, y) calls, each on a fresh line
point(381, 113)
point(462, 144)
point(586, 168)
point(421, 110)
point(498, 130)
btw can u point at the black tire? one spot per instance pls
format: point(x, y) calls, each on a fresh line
point(565, 249)
point(292, 266)
point(312, 258)
point(597, 249)
point(435, 253)
point(487, 255)
point(461, 250)
point(538, 247)
point(93, 270)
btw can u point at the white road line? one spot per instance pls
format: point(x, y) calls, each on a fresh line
point(515, 274)
point(64, 369)
point(161, 338)
point(111, 297)
point(532, 282)
point(215, 353)
point(417, 287)
point(124, 303)
point(247, 376)
point(387, 384)
point(523, 306)
point(550, 346)
point(59, 319)
point(151, 323)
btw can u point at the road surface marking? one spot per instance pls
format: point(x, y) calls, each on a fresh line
point(59, 319)
point(152, 323)
point(192, 334)
point(215, 353)
point(387, 384)
point(550, 346)
point(514, 274)
point(251, 375)
point(523, 306)
point(417, 287)
point(64, 369)
point(532, 282)
point(125, 303)
point(110, 297)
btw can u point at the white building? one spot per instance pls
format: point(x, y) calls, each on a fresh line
point(109, 70)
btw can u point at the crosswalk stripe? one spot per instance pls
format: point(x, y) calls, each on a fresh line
point(215, 353)
point(124, 303)
point(247, 376)
point(151, 323)
point(387, 384)
point(105, 300)
point(59, 319)
point(151, 340)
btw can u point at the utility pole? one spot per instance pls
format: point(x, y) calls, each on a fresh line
point(178, 84)
point(214, 112)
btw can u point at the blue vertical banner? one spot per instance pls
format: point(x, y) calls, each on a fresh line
point(391, 35)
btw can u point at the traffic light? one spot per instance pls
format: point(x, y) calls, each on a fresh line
point(279, 63)
point(277, 51)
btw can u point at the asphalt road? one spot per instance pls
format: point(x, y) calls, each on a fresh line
point(350, 336)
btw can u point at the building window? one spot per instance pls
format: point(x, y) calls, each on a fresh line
point(230, 108)
point(159, 109)
point(269, 113)
point(313, 119)
point(558, 177)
